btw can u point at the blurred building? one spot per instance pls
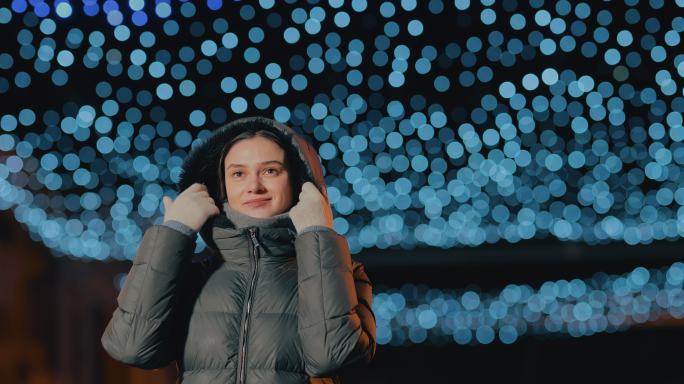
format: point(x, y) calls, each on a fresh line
point(52, 313)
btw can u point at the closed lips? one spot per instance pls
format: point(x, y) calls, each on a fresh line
point(256, 201)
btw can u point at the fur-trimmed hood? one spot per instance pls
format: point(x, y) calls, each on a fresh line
point(203, 162)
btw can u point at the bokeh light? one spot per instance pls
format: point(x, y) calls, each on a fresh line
point(601, 304)
point(539, 124)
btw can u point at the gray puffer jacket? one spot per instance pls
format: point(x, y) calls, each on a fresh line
point(268, 305)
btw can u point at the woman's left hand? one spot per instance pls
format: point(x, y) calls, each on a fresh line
point(312, 209)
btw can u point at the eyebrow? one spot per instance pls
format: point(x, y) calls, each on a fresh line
point(262, 163)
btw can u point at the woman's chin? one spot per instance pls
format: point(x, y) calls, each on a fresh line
point(260, 213)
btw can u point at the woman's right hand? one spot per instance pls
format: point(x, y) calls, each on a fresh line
point(192, 207)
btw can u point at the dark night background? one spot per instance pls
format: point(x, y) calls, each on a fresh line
point(53, 309)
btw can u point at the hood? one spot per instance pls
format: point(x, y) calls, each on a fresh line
point(202, 165)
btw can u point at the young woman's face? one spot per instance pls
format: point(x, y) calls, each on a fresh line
point(257, 178)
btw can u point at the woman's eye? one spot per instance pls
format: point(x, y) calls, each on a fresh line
point(236, 174)
point(271, 171)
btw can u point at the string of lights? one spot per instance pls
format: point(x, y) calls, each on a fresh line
point(439, 124)
point(415, 314)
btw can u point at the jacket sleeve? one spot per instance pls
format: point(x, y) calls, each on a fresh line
point(140, 332)
point(335, 321)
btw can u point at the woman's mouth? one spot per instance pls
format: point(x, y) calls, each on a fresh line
point(257, 203)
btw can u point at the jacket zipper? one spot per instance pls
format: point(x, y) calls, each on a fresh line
point(250, 293)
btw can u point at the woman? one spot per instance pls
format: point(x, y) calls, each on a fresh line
point(279, 301)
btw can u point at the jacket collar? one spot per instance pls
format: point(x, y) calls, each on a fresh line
point(241, 220)
point(232, 233)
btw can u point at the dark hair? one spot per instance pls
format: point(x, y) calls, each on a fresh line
point(267, 134)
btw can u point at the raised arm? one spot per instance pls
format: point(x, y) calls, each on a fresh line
point(143, 329)
point(336, 322)
point(146, 326)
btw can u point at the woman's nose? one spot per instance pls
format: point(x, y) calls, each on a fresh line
point(255, 184)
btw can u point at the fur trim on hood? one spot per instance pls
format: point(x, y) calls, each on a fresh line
point(202, 165)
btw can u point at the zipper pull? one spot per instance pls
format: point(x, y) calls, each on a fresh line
point(252, 233)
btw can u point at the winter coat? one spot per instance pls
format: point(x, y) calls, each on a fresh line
point(269, 305)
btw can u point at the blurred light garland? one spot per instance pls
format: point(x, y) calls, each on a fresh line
point(540, 121)
point(604, 303)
